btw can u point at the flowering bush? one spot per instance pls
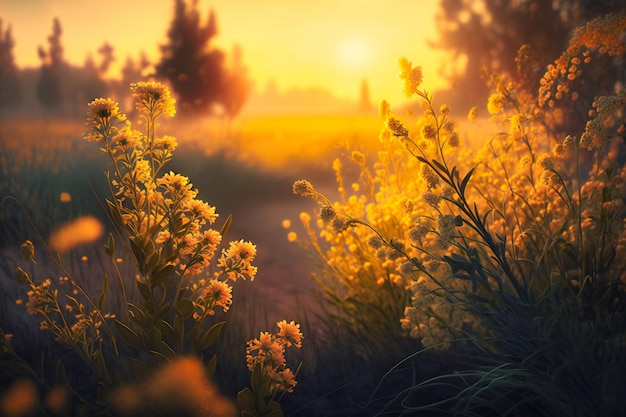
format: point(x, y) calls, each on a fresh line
point(182, 276)
point(512, 250)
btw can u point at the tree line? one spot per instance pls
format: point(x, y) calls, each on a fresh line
point(205, 79)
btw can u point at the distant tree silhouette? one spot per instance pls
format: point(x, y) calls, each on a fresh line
point(192, 66)
point(49, 89)
point(10, 87)
point(365, 104)
point(235, 85)
point(107, 57)
point(486, 35)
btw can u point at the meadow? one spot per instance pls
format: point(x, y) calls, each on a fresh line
point(405, 263)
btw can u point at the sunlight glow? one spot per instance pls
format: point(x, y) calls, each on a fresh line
point(353, 52)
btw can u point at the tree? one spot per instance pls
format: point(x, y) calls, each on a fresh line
point(192, 66)
point(49, 90)
point(235, 85)
point(486, 35)
point(10, 88)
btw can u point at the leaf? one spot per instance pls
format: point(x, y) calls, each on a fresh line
point(139, 368)
point(163, 275)
point(103, 293)
point(109, 247)
point(128, 335)
point(439, 165)
point(210, 366)
point(245, 401)
point(226, 225)
point(185, 307)
point(115, 212)
point(139, 256)
point(145, 292)
point(466, 180)
point(209, 337)
point(272, 409)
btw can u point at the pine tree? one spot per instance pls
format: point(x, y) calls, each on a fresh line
point(189, 63)
point(49, 89)
point(10, 88)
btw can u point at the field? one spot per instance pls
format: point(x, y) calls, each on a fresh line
point(411, 263)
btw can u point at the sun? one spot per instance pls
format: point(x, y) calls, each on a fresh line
point(353, 53)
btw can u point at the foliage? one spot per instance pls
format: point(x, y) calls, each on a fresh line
point(49, 90)
point(195, 69)
point(511, 252)
point(10, 89)
point(487, 35)
point(168, 311)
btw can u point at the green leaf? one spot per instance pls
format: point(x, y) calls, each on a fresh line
point(209, 337)
point(272, 409)
point(210, 366)
point(128, 335)
point(226, 225)
point(185, 307)
point(246, 403)
point(166, 329)
point(163, 275)
point(109, 247)
point(139, 368)
point(466, 180)
point(139, 255)
point(145, 292)
point(103, 293)
point(115, 213)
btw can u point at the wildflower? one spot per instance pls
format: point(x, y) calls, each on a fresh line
point(429, 176)
point(27, 250)
point(176, 185)
point(290, 333)
point(374, 242)
point(102, 115)
point(395, 126)
point(127, 138)
point(412, 76)
point(236, 261)
point(453, 139)
point(166, 142)
point(445, 229)
point(327, 213)
point(419, 230)
point(202, 211)
point(265, 350)
point(432, 199)
point(153, 98)
point(219, 293)
point(495, 104)
point(429, 132)
point(444, 109)
point(303, 188)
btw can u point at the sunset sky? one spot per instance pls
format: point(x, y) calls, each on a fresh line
point(333, 44)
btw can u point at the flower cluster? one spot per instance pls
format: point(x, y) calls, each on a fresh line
point(268, 352)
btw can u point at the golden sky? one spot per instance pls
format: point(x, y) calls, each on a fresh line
point(333, 44)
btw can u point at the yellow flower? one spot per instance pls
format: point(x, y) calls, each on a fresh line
point(153, 98)
point(290, 333)
point(412, 76)
point(102, 115)
point(220, 293)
